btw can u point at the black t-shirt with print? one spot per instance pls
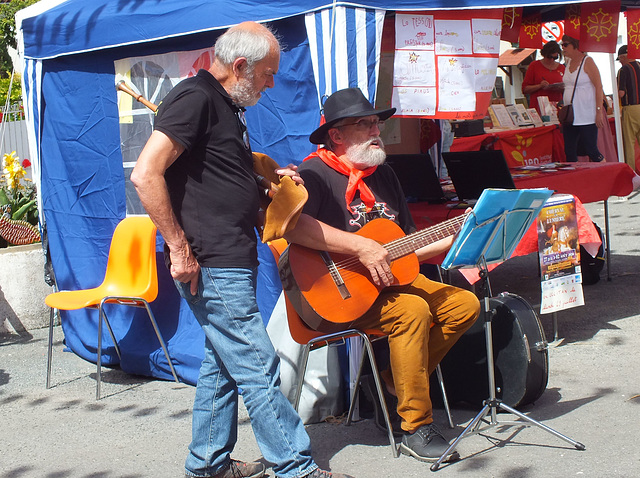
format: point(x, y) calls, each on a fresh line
point(327, 203)
point(211, 185)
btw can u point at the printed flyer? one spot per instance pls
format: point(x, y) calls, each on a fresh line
point(559, 250)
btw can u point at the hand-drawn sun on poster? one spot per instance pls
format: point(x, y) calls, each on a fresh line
point(413, 58)
point(599, 25)
point(453, 61)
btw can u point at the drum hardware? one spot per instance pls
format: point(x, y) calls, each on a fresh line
point(542, 346)
point(492, 404)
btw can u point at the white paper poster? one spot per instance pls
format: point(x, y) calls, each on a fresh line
point(452, 56)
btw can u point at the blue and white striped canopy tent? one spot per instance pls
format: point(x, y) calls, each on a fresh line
point(69, 49)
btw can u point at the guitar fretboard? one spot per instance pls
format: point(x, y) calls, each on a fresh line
point(411, 243)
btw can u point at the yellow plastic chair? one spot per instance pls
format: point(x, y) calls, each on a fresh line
point(131, 279)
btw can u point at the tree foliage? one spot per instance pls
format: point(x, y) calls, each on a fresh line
point(16, 89)
point(8, 32)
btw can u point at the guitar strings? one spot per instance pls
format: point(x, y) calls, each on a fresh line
point(397, 245)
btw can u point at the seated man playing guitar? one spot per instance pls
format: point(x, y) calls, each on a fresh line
point(369, 275)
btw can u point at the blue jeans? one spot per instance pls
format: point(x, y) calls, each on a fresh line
point(239, 353)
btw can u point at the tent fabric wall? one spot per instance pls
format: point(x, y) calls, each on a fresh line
point(345, 49)
point(82, 191)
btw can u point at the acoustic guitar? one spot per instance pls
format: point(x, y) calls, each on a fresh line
point(330, 291)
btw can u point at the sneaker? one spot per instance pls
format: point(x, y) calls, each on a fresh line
point(369, 388)
point(426, 444)
point(318, 473)
point(239, 469)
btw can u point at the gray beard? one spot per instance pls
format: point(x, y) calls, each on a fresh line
point(243, 94)
point(362, 157)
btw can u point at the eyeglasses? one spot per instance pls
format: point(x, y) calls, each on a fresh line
point(565, 44)
point(365, 125)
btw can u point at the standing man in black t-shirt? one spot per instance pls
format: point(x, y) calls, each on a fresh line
point(349, 185)
point(195, 180)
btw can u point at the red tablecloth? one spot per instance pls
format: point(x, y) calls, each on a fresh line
point(544, 144)
point(426, 215)
point(521, 147)
point(589, 182)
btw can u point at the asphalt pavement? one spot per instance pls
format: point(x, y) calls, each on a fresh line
point(141, 427)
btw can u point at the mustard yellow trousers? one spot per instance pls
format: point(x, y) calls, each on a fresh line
point(423, 320)
point(630, 133)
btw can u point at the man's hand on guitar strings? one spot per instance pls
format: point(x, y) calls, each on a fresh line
point(375, 258)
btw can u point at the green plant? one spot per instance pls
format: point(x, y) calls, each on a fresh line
point(18, 197)
point(16, 90)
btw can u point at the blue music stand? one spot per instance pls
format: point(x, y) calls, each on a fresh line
point(490, 234)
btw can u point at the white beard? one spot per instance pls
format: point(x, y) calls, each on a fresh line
point(363, 157)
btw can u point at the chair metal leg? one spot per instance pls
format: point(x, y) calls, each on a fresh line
point(50, 348)
point(301, 373)
point(99, 359)
point(161, 340)
point(102, 316)
point(354, 394)
point(383, 402)
point(444, 395)
point(113, 337)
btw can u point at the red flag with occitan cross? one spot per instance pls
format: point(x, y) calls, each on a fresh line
point(511, 20)
point(599, 26)
point(572, 21)
point(633, 33)
point(531, 32)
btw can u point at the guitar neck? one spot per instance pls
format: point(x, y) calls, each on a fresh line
point(412, 242)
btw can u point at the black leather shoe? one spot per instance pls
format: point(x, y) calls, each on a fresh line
point(426, 444)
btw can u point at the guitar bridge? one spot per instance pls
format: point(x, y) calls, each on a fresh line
point(335, 275)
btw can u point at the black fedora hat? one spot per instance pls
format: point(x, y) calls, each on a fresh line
point(347, 103)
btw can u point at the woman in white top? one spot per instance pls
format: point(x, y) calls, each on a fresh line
point(587, 102)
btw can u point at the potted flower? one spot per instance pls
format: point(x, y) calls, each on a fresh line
point(18, 208)
point(22, 285)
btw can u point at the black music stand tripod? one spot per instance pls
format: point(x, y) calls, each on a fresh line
point(506, 227)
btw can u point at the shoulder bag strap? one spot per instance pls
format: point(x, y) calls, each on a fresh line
point(576, 82)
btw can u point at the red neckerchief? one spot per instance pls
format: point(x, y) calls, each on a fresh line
point(355, 177)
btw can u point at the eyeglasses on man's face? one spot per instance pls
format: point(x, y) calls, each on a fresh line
point(565, 44)
point(365, 124)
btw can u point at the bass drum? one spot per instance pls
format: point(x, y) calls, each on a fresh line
point(520, 356)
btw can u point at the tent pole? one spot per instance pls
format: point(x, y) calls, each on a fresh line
point(617, 113)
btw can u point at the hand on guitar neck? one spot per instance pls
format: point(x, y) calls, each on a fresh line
point(330, 290)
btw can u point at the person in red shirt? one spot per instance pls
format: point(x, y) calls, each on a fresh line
point(544, 77)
